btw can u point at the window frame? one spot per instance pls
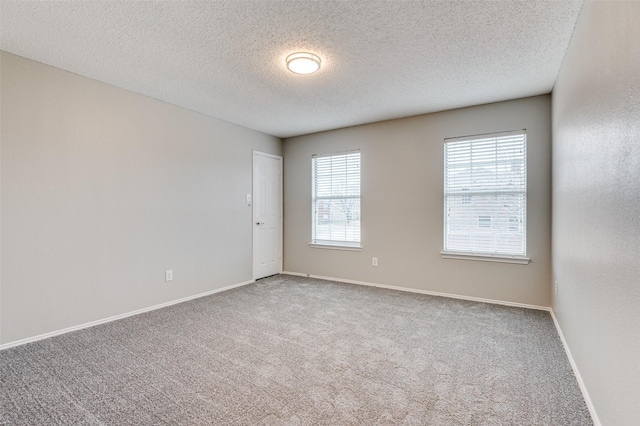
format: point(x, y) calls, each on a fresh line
point(493, 256)
point(329, 243)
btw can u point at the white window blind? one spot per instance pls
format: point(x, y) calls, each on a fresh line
point(485, 195)
point(336, 199)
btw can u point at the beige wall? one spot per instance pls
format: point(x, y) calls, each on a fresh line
point(402, 204)
point(104, 189)
point(596, 206)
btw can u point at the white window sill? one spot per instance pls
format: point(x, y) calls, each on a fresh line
point(521, 260)
point(335, 247)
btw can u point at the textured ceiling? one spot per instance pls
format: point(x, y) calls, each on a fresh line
point(381, 59)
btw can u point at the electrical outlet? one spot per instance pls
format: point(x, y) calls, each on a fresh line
point(168, 275)
point(374, 261)
point(555, 288)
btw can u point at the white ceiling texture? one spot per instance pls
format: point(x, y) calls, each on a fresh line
point(380, 59)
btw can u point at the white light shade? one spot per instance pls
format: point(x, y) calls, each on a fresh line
point(303, 63)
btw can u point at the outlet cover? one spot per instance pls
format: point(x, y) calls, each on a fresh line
point(168, 275)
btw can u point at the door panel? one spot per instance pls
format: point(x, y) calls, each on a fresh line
point(267, 215)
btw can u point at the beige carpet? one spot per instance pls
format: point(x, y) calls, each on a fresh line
point(298, 351)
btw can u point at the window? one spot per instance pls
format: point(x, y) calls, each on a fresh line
point(336, 199)
point(485, 196)
point(466, 199)
point(484, 221)
point(514, 223)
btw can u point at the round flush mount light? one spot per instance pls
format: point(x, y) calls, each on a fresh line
point(303, 63)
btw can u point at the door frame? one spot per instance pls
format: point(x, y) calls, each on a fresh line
point(281, 206)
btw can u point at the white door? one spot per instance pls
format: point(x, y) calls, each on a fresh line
point(267, 215)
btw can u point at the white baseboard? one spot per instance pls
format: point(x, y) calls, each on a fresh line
point(576, 372)
point(117, 317)
point(430, 293)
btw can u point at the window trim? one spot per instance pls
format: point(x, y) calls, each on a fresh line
point(341, 246)
point(521, 260)
point(486, 256)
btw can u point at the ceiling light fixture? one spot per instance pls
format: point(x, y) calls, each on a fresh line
point(303, 63)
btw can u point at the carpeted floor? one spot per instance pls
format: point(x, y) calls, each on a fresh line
point(298, 351)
